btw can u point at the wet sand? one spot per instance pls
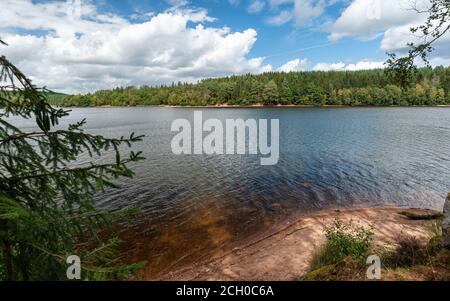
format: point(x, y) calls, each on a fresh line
point(284, 251)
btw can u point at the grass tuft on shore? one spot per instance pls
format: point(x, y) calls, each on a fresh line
point(343, 256)
point(343, 240)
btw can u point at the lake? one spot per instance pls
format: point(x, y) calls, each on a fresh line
point(329, 158)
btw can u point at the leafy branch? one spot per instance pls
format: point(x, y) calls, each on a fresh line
point(403, 69)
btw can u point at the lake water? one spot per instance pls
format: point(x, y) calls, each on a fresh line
point(329, 158)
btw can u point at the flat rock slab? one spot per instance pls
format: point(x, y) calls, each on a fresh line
point(421, 214)
point(285, 254)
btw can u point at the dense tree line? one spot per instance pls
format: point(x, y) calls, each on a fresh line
point(430, 86)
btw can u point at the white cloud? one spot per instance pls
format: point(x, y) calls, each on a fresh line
point(177, 3)
point(440, 61)
point(282, 18)
point(300, 12)
point(365, 65)
point(307, 10)
point(390, 20)
point(367, 18)
point(329, 67)
point(397, 38)
point(256, 6)
point(89, 51)
point(294, 65)
point(340, 66)
point(234, 2)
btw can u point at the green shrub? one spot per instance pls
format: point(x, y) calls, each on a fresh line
point(343, 239)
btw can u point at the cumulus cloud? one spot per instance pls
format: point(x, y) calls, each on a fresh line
point(340, 66)
point(392, 20)
point(397, 38)
point(79, 49)
point(365, 65)
point(303, 65)
point(294, 65)
point(329, 67)
point(368, 18)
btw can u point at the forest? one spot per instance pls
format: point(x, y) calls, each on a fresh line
point(429, 87)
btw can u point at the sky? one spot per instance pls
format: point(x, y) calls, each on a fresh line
point(80, 46)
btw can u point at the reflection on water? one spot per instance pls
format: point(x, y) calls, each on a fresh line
point(328, 158)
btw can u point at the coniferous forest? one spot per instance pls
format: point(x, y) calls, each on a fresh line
point(430, 86)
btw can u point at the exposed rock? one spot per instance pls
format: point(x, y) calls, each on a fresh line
point(421, 214)
point(285, 251)
point(446, 223)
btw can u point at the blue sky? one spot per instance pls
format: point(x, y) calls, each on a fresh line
point(85, 45)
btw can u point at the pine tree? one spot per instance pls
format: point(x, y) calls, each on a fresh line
point(255, 92)
point(270, 93)
point(286, 94)
point(46, 207)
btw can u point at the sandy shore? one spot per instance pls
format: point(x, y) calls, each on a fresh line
point(285, 253)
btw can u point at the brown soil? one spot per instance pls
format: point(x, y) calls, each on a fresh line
point(286, 252)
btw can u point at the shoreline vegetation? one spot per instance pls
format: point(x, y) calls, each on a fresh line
point(257, 107)
point(374, 88)
point(408, 241)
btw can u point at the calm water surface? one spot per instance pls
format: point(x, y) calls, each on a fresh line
point(342, 157)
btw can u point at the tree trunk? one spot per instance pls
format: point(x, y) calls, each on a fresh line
point(8, 260)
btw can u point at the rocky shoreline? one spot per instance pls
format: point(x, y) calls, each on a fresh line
point(285, 254)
